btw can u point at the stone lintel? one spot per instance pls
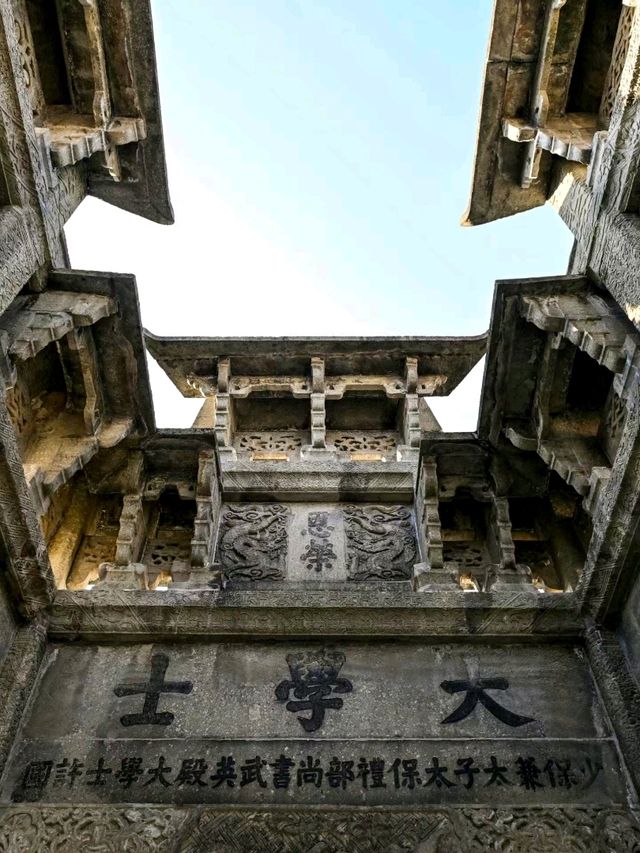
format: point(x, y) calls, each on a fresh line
point(319, 480)
point(103, 614)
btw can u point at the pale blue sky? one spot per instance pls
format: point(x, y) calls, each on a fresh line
point(320, 156)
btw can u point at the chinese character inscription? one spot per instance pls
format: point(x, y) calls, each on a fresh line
point(476, 692)
point(152, 691)
point(314, 678)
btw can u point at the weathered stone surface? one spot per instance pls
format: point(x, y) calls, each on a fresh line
point(103, 613)
point(181, 830)
point(301, 707)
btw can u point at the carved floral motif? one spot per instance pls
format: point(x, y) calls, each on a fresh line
point(253, 541)
point(381, 542)
point(367, 440)
point(140, 829)
point(269, 441)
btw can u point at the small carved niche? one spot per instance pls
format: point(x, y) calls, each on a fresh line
point(80, 530)
point(170, 529)
point(583, 405)
point(43, 56)
point(600, 57)
point(545, 539)
point(465, 524)
point(47, 403)
point(267, 412)
point(363, 412)
point(98, 543)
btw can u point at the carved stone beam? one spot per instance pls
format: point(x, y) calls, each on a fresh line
point(243, 386)
point(72, 139)
point(223, 419)
point(337, 386)
point(430, 574)
point(50, 317)
point(539, 95)
point(101, 97)
point(588, 322)
point(410, 414)
point(318, 419)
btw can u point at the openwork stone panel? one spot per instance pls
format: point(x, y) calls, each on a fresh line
point(365, 440)
point(282, 442)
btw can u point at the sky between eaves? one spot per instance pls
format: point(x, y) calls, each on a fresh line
point(319, 156)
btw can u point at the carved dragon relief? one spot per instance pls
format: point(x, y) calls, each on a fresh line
point(253, 541)
point(381, 542)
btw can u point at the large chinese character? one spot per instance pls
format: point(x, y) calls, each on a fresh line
point(152, 690)
point(319, 553)
point(475, 692)
point(314, 676)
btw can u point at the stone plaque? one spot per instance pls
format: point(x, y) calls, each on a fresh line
point(379, 724)
point(317, 543)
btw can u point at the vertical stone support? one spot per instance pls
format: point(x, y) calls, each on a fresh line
point(18, 675)
point(318, 414)
point(410, 415)
point(66, 541)
point(127, 572)
point(502, 547)
point(223, 415)
point(208, 503)
point(132, 531)
point(80, 341)
point(29, 568)
point(619, 692)
point(25, 172)
point(540, 98)
point(430, 574)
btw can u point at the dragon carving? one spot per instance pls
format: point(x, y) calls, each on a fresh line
point(253, 541)
point(381, 542)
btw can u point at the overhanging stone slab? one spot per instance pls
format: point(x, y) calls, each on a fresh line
point(110, 613)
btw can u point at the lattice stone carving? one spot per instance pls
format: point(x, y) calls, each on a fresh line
point(381, 542)
point(613, 423)
point(384, 442)
point(268, 441)
point(253, 541)
point(616, 67)
point(468, 557)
